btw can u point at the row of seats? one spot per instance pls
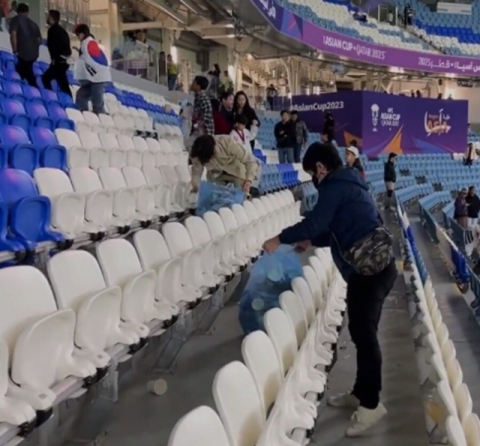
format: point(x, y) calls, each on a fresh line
point(437, 357)
point(59, 337)
point(272, 397)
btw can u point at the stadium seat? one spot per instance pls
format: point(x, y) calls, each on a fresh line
point(39, 116)
point(15, 113)
point(58, 114)
point(52, 154)
point(77, 155)
point(147, 204)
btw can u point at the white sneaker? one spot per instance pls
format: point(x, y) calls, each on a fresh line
point(363, 419)
point(344, 401)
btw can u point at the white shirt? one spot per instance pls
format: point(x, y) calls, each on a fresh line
point(92, 65)
point(243, 138)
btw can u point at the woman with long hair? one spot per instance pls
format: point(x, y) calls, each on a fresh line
point(241, 106)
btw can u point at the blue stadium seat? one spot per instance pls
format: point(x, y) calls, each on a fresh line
point(29, 212)
point(32, 94)
point(49, 96)
point(15, 113)
point(13, 90)
point(21, 153)
point(39, 115)
point(52, 154)
point(58, 114)
point(66, 100)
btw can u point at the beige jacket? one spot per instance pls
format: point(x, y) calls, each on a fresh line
point(229, 158)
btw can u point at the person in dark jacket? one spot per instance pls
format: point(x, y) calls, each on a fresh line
point(58, 43)
point(345, 214)
point(329, 127)
point(473, 203)
point(460, 211)
point(301, 135)
point(224, 117)
point(390, 178)
point(241, 106)
point(352, 158)
point(285, 136)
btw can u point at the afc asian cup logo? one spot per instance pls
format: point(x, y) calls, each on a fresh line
point(375, 112)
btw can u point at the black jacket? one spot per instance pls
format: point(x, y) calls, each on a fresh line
point(251, 116)
point(285, 134)
point(389, 173)
point(474, 208)
point(58, 42)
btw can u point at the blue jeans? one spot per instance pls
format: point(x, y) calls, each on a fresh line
point(297, 152)
point(90, 91)
point(172, 82)
point(285, 156)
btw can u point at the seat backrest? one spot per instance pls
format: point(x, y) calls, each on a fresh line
point(74, 275)
point(198, 230)
point(471, 426)
point(302, 290)
point(215, 224)
point(151, 248)
point(90, 117)
point(153, 144)
point(67, 138)
point(455, 432)
point(292, 305)
point(35, 110)
point(15, 185)
point(259, 207)
point(261, 359)
point(153, 176)
point(133, 176)
point(125, 142)
point(228, 219)
point(11, 135)
point(108, 140)
point(165, 145)
point(111, 178)
point(170, 175)
point(315, 288)
point(240, 214)
point(238, 404)
point(75, 115)
point(463, 400)
point(89, 140)
point(251, 210)
point(52, 182)
point(26, 296)
point(177, 238)
point(85, 180)
point(42, 137)
point(281, 332)
point(12, 106)
point(200, 427)
point(119, 261)
point(140, 143)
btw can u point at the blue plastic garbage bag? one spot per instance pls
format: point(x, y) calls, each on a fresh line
point(270, 277)
point(212, 197)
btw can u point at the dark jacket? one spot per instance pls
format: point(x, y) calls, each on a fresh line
point(359, 166)
point(58, 43)
point(345, 209)
point(474, 208)
point(285, 134)
point(250, 115)
point(389, 173)
point(224, 120)
point(460, 208)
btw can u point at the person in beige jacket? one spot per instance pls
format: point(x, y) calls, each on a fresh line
point(225, 160)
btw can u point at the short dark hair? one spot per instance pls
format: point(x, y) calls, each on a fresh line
point(241, 119)
point(55, 15)
point(354, 143)
point(324, 153)
point(225, 95)
point(201, 81)
point(203, 148)
point(294, 112)
point(283, 112)
point(82, 29)
point(23, 8)
point(391, 156)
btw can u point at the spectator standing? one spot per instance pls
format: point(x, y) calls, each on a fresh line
point(226, 162)
point(301, 135)
point(25, 38)
point(162, 69)
point(241, 106)
point(58, 43)
point(470, 154)
point(91, 71)
point(329, 127)
point(202, 116)
point(240, 134)
point(473, 203)
point(172, 73)
point(11, 13)
point(460, 213)
point(285, 136)
point(224, 118)
point(390, 178)
point(352, 157)
point(345, 218)
point(272, 93)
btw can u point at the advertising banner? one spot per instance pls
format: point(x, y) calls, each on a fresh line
point(383, 123)
point(288, 23)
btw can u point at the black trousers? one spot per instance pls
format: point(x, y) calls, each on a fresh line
point(58, 72)
point(25, 70)
point(365, 297)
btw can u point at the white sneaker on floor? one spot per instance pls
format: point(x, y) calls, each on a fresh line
point(364, 419)
point(344, 401)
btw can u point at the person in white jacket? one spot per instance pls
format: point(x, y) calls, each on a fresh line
point(91, 71)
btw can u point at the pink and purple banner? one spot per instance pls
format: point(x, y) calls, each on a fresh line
point(383, 123)
point(290, 24)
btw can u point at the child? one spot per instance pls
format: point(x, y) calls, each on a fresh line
point(240, 134)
